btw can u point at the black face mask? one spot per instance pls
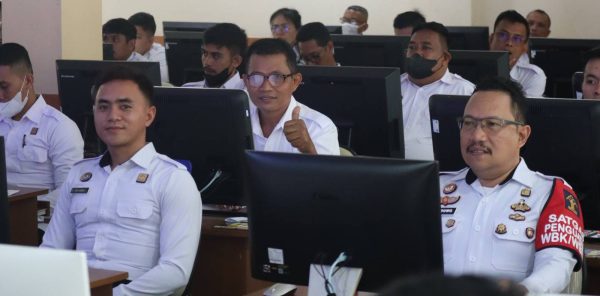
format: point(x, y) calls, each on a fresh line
point(419, 67)
point(217, 80)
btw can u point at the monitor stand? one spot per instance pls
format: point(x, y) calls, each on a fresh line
point(344, 280)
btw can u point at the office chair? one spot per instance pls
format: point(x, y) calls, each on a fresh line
point(576, 82)
point(346, 151)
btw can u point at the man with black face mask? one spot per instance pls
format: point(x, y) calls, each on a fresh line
point(224, 46)
point(427, 74)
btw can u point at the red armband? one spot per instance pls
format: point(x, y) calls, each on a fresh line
point(561, 222)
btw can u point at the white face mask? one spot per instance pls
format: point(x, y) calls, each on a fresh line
point(349, 29)
point(15, 105)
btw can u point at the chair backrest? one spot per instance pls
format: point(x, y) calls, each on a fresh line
point(41, 271)
point(346, 151)
point(576, 82)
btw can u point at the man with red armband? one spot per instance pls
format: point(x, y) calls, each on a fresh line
point(499, 218)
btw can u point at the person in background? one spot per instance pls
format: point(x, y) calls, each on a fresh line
point(315, 44)
point(285, 23)
point(121, 34)
point(354, 20)
point(406, 21)
point(145, 45)
point(539, 23)
point(590, 86)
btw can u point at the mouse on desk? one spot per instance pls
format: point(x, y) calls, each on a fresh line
point(280, 289)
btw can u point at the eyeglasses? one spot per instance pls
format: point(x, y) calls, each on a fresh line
point(488, 124)
point(505, 36)
point(313, 57)
point(275, 79)
point(283, 28)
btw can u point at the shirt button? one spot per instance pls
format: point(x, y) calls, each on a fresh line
point(516, 231)
point(133, 210)
point(477, 227)
point(472, 259)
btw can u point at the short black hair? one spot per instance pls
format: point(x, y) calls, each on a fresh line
point(120, 26)
point(229, 35)
point(15, 55)
point(359, 9)
point(435, 27)
point(289, 14)
point(591, 54)
point(409, 19)
point(272, 46)
point(544, 13)
point(512, 16)
point(144, 20)
point(127, 74)
point(510, 87)
point(314, 31)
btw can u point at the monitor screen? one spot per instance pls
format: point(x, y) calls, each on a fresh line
point(384, 213)
point(187, 26)
point(364, 103)
point(210, 128)
point(559, 58)
point(474, 65)
point(184, 56)
point(4, 209)
point(564, 142)
point(75, 81)
point(372, 51)
point(468, 38)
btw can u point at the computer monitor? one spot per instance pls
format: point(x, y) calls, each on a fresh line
point(371, 51)
point(468, 38)
point(211, 129)
point(183, 50)
point(75, 80)
point(187, 26)
point(4, 209)
point(334, 29)
point(365, 104)
point(384, 213)
point(474, 65)
point(564, 142)
point(559, 58)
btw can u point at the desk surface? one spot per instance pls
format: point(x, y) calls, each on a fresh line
point(25, 193)
point(102, 277)
point(303, 291)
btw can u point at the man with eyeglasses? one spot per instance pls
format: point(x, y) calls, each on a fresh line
point(285, 23)
point(279, 122)
point(511, 33)
point(222, 53)
point(315, 44)
point(427, 74)
point(499, 218)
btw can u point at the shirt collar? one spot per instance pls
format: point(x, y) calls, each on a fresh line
point(523, 60)
point(520, 173)
point(233, 81)
point(256, 128)
point(142, 158)
point(36, 111)
point(446, 79)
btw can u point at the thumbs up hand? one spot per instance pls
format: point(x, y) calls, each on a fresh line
point(297, 134)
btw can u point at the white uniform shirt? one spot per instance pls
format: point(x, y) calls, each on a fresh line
point(136, 57)
point(143, 217)
point(472, 244)
point(530, 76)
point(321, 129)
point(41, 148)
point(415, 111)
point(234, 82)
point(157, 54)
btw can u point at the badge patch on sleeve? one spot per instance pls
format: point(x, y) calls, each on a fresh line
point(570, 203)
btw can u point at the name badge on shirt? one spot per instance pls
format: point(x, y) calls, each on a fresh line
point(80, 190)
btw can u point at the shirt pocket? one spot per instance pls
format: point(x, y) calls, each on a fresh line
point(139, 210)
point(450, 236)
point(514, 251)
point(33, 153)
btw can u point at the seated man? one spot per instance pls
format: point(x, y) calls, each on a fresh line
point(591, 75)
point(279, 122)
point(354, 21)
point(539, 23)
point(427, 74)
point(145, 45)
point(316, 47)
point(222, 53)
point(130, 209)
point(499, 218)
point(121, 34)
point(42, 144)
point(405, 22)
point(511, 33)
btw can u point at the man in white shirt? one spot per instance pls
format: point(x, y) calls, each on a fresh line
point(499, 218)
point(511, 33)
point(354, 20)
point(121, 34)
point(315, 45)
point(279, 122)
point(590, 87)
point(131, 209)
point(42, 144)
point(539, 23)
point(426, 74)
point(145, 45)
point(222, 53)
